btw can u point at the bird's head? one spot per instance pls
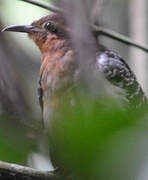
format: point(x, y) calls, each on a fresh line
point(42, 30)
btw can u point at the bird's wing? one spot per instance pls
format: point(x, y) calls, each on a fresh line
point(118, 73)
point(40, 97)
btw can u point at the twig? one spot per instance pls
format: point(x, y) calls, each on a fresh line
point(50, 8)
point(98, 31)
point(10, 171)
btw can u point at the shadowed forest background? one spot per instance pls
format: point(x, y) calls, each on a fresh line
point(111, 147)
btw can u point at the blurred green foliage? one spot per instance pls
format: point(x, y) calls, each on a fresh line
point(92, 139)
point(15, 145)
point(95, 139)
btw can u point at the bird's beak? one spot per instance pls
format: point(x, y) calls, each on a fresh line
point(23, 28)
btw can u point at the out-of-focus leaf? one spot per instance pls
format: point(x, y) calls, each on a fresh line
point(15, 145)
point(95, 139)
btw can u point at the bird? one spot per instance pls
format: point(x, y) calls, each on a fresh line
point(52, 35)
point(59, 68)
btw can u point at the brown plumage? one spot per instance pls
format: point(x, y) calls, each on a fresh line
point(58, 67)
point(60, 71)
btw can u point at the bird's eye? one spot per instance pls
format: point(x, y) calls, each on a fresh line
point(50, 27)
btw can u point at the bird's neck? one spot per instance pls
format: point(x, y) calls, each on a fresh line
point(54, 46)
point(53, 65)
